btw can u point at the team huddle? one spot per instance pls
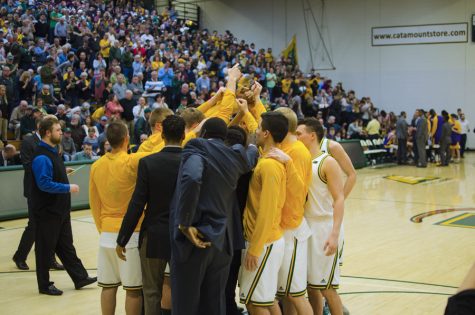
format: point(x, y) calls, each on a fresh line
point(220, 195)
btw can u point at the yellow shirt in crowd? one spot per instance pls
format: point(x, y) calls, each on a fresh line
point(297, 185)
point(263, 212)
point(373, 127)
point(111, 184)
point(105, 47)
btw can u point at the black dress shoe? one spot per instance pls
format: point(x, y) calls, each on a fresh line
point(56, 265)
point(84, 282)
point(52, 290)
point(21, 264)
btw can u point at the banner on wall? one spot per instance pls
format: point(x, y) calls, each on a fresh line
point(419, 34)
point(291, 50)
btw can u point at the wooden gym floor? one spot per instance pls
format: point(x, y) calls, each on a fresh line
point(391, 264)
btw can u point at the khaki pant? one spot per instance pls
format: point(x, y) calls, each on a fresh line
point(3, 128)
point(153, 270)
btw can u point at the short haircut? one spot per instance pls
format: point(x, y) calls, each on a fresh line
point(116, 133)
point(236, 135)
point(158, 115)
point(47, 124)
point(192, 116)
point(291, 117)
point(313, 125)
point(276, 124)
point(173, 128)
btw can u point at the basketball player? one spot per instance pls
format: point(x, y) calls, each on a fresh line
point(155, 143)
point(293, 272)
point(335, 149)
point(324, 214)
point(111, 184)
point(265, 246)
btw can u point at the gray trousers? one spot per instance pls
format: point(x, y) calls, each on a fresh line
point(421, 152)
point(153, 272)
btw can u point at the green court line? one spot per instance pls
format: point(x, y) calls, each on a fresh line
point(401, 281)
point(393, 292)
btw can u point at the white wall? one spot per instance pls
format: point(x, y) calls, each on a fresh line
point(397, 78)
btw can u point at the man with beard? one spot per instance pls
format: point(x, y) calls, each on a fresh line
point(51, 206)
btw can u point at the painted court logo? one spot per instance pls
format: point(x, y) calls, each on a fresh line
point(464, 220)
point(413, 180)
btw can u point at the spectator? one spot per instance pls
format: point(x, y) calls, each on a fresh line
point(28, 122)
point(87, 153)
point(142, 125)
point(4, 113)
point(128, 104)
point(77, 132)
point(92, 139)
point(9, 156)
point(373, 128)
point(203, 83)
point(18, 113)
point(139, 109)
point(67, 143)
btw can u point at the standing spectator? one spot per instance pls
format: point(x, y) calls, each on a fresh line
point(120, 87)
point(77, 132)
point(136, 87)
point(373, 128)
point(402, 135)
point(48, 73)
point(61, 30)
point(7, 79)
point(465, 129)
point(128, 104)
point(99, 64)
point(4, 113)
point(113, 107)
point(203, 83)
point(137, 65)
point(271, 79)
point(166, 75)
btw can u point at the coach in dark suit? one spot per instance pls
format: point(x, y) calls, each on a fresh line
point(202, 228)
point(28, 146)
point(422, 135)
point(156, 181)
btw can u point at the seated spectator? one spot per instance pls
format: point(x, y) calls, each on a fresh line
point(28, 122)
point(101, 125)
point(62, 115)
point(92, 139)
point(67, 143)
point(89, 124)
point(87, 153)
point(355, 129)
point(9, 156)
point(104, 147)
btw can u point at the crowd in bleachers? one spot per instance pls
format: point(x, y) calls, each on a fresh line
point(88, 62)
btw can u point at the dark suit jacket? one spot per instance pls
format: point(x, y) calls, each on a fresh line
point(205, 195)
point(28, 146)
point(156, 181)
